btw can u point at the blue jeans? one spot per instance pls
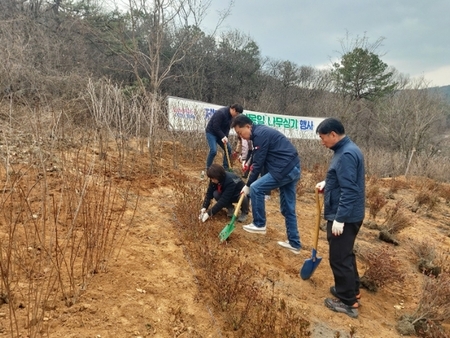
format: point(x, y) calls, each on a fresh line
point(213, 141)
point(288, 200)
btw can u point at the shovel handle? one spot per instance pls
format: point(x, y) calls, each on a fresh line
point(225, 146)
point(238, 206)
point(318, 214)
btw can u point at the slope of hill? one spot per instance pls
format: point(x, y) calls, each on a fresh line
point(155, 288)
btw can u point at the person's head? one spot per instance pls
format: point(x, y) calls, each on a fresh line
point(330, 131)
point(236, 109)
point(242, 125)
point(216, 173)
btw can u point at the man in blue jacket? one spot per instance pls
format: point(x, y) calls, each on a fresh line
point(274, 152)
point(344, 203)
point(217, 131)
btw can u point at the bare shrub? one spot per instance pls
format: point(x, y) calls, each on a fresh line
point(396, 184)
point(61, 232)
point(274, 318)
point(427, 198)
point(383, 163)
point(242, 294)
point(444, 192)
point(436, 166)
point(434, 305)
point(375, 200)
point(312, 154)
point(383, 268)
point(396, 218)
point(392, 163)
point(424, 250)
point(429, 262)
point(319, 173)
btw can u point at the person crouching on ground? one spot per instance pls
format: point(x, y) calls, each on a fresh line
point(274, 152)
point(344, 196)
point(225, 187)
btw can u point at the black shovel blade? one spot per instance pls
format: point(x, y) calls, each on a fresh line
point(310, 265)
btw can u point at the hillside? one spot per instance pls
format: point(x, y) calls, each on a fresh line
point(155, 286)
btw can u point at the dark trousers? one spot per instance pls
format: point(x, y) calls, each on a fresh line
point(235, 199)
point(343, 261)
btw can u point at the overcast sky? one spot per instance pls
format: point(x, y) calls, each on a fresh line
point(308, 32)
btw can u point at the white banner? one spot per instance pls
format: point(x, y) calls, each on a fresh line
point(189, 115)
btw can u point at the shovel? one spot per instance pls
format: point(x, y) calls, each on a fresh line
point(226, 232)
point(311, 264)
point(225, 146)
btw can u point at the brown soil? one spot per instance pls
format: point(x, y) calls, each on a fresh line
point(152, 288)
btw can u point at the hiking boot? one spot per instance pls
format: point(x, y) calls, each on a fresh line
point(230, 211)
point(334, 293)
point(286, 245)
point(254, 229)
point(337, 306)
point(242, 218)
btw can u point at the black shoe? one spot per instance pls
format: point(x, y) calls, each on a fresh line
point(337, 306)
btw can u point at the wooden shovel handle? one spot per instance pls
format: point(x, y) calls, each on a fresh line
point(318, 214)
point(225, 146)
point(238, 206)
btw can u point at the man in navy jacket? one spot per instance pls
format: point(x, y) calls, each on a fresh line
point(217, 131)
point(344, 210)
point(274, 152)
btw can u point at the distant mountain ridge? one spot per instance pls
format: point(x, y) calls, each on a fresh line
point(444, 90)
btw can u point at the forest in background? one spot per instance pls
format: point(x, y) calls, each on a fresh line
point(84, 65)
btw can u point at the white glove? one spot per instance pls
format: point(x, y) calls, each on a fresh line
point(245, 190)
point(337, 228)
point(225, 139)
point(205, 217)
point(320, 186)
point(202, 212)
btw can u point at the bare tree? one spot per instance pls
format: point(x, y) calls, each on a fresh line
point(409, 120)
point(153, 48)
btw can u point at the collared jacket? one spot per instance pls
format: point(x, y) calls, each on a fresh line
point(344, 193)
point(272, 151)
point(220, 123)
point(230, 189)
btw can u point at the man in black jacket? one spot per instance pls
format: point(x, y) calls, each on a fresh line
point(278, 156)
point(225, 188)
point(217, 131)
